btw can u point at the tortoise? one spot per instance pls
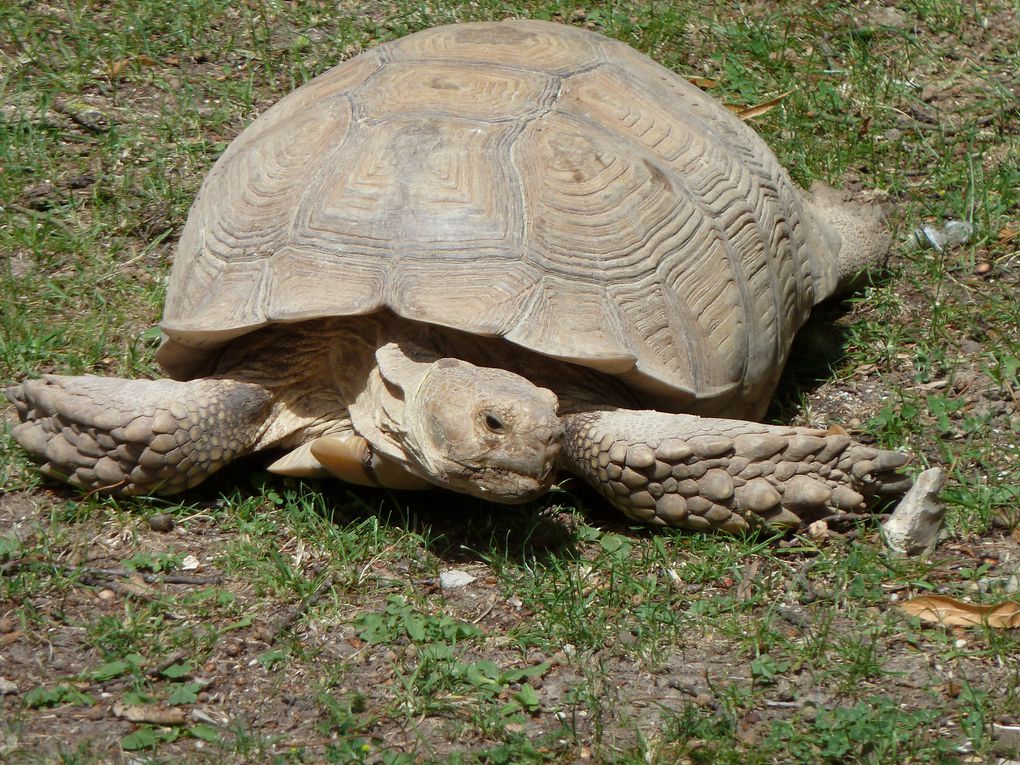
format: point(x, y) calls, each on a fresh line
point(473, 258)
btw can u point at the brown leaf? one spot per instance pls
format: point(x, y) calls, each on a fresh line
point(150, 714)
point(703, 82)
point(117, 68)
point(750, 112)
point(747, 579)
point(951, 612)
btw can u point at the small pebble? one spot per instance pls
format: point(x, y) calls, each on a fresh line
point(819, 531)
point(626, 637)
point(107, 595)
point(162, 522)
point(705, 700)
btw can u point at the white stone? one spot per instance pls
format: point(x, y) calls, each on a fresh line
point(454, 578)
point(916, 522)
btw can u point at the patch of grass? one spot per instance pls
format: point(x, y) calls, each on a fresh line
point(581, 637)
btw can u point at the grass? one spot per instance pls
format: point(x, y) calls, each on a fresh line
point(581, 638)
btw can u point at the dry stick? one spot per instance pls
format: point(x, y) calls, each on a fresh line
point(837, 517)
point(11, 637)
point(152, 578)
point(271, 633)
point(13, 566)
point(118, 587)
point(40, 217)
point(290, 745)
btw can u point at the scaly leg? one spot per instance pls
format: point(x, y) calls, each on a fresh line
point(137, 436)
point(704, 473)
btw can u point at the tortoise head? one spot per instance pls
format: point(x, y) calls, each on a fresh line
point(482, 431)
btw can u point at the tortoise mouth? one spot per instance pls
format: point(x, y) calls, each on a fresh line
point(503, 485)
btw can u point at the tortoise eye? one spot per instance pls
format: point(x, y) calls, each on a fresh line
point(493, 423)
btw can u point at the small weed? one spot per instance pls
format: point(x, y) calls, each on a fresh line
point(876, 730)
point(154, 562)
point(400, 619)
point(60, 694)
point(765, 669)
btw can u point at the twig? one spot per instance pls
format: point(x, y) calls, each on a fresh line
point(271, 633)
point(40, 217)
point(153, 578)
point(484, 613)
point(298, 743)
point(840, 517)
point(13, 566)
point(169, 661)
point(121, 588)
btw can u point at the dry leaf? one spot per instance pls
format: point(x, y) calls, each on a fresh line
point(150, 714)
point(703, 82)
point(747, 579)
point(117, 69)
point(750, 112)
point(956, 613)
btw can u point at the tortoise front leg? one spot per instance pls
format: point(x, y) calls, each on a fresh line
point(137, 436)
point(706, 473)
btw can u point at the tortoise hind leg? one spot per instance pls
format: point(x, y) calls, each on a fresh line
point(137, 436)
point(705, 473)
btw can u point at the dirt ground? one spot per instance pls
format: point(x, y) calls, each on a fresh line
point(272, 709)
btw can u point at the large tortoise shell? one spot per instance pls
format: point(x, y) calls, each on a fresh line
point(521, 180)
